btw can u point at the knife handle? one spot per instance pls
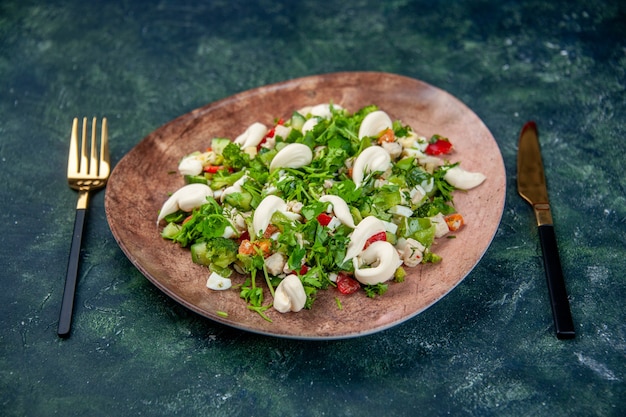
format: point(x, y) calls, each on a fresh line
point(556, 283)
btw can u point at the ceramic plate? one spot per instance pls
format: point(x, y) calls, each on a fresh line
point(141, 181)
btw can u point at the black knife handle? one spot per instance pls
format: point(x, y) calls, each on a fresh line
point(561, 313)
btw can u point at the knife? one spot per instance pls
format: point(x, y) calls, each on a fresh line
point(531, 185)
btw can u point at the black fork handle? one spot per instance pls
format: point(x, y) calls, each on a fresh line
point(67, 305)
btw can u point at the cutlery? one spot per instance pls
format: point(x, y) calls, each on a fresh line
point(531, 185)
point(88, 169)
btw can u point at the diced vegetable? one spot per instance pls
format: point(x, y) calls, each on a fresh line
point(218, 145)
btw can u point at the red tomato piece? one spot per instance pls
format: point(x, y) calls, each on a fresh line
point(439, 147)
point(324, 219)
point(346, 284)
point(375, 238)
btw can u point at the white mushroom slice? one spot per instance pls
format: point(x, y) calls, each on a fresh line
point(289, 295)
point(323, 110)
point(309, 124)
point(340, 209)
point(186, 198)
point(376, 264)
point(367, 228)
point(218, 282)
point(294, 155)
point(462, 179)
point(190, 165)
point(372, 159)
point(305, 110)
point(253, 135)
point(374, 123)
point(263, 213)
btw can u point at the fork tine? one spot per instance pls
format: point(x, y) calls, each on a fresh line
point(72, 160)
point(93, 160)
point(104, 166)
point(84, 162)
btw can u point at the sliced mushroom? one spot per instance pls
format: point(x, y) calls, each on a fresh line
point(253, 135)
point(323, 110)
point(340, 208)
point(294, 155)
point(367, 228)
point(462, 179)
point(374, 123)
point(263, 213)
point(372, 159)
point(190, 165)
point(309, 124)
point(185, 198)
point(376, 264)
point(289, 295)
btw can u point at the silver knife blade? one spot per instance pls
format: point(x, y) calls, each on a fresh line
point(531, 185)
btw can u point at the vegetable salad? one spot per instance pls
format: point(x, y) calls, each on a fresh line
point(324, 200)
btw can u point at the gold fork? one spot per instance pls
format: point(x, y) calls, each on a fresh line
point(87, 170)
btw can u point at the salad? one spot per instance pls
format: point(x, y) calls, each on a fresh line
point(323, 200)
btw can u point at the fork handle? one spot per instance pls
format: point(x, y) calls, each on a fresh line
point(67, 305)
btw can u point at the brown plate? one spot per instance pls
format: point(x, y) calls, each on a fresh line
point(141, 181)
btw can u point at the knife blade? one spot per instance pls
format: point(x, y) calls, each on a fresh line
point(531, 185)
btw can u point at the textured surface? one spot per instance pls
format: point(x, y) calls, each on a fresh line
point(488, 348)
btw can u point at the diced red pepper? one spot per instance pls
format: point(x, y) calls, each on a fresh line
point(324, 219)
point(244, 236)
point(272, 131)
point(439, 147)
point(212, 169)
point(375, 238)
point(303, 270)
point(347, 284)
